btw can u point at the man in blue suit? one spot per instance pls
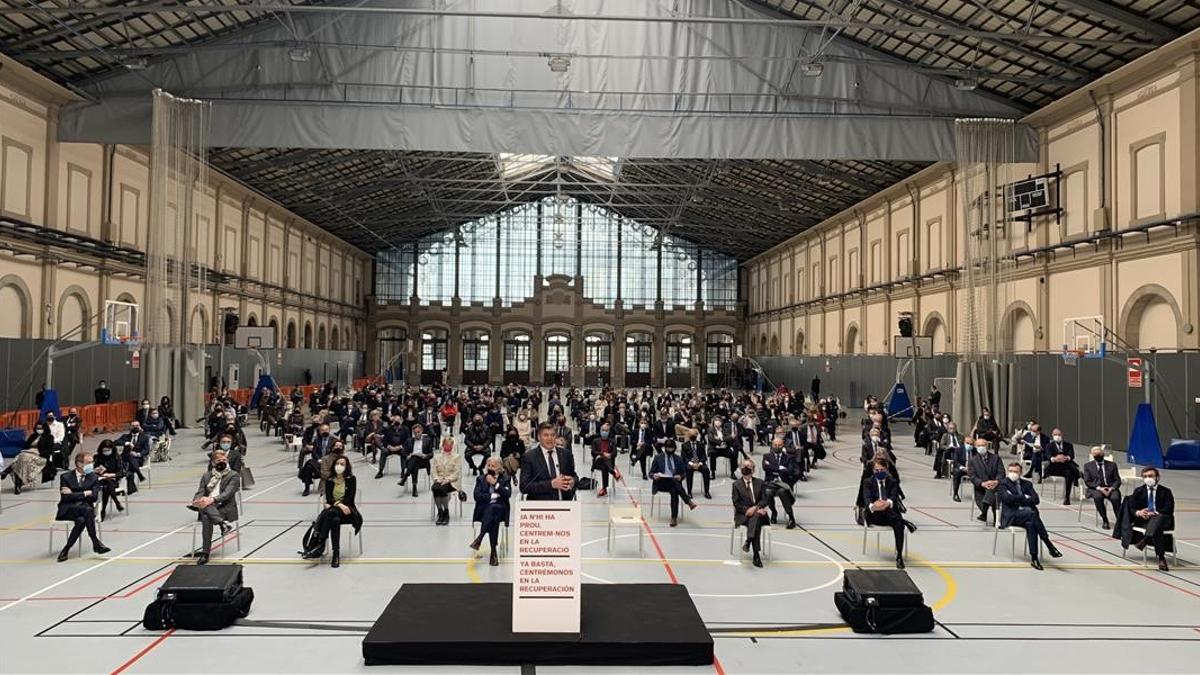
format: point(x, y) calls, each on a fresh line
point(548, 472)
point(1019, 508)
point(1035, 449)
point(667, 470)
point(881, 494)
point(78, 490)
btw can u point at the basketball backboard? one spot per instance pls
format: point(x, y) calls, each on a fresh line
point(916, 347)
point(254, 337)
point(119, 325)
point(1083, 334)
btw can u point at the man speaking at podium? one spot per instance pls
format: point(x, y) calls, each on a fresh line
point(547, 472)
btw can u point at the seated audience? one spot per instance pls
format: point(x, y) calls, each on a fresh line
point(604, 454)
point(77, 504)
point(695, 458)
point(1103, 481)
point(1019, 508)
point(881, 493)
point(340, 492)
point(750, 508)
point(667, 470)
point(215, 501)
point(446, 469)
point(493, 490)
point(985, 468)
point(110, 468)
point(417, 454)
point(1060, 461)
point(1152, 507)
point(30, 465)
point(780, 475)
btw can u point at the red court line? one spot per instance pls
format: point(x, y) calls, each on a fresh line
point(122, 596)
point(1137, 572)
point(145, 650)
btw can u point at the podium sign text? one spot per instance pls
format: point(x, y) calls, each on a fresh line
point(546, 568)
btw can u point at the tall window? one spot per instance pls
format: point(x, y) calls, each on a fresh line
point(434, 345)
point(516, 352)
point(719, 281)
point(435, 268)
point(639, 265)
point(394, 274)
point(718, 353)
point(637, 352)
point(597, 359)
point(558, 358)
point(475, 350)
point(559, 236)
point(599, 260)
point(391, 348)
point(477, 261)
point(679, 352)
point(679, 263)
point(518, 254)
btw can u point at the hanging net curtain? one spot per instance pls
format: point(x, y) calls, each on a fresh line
point(986, 153)
point(175, 276)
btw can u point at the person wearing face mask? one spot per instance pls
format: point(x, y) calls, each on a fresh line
point(750, 508)
point(884, 508)
point(417, 455)
point(956, 453)
point(875, 441)
point(667, 470)
point(986, 429)
point(1151, 506)
point(511, 450)
point(493, 491)
point(985, 469)
point(74, 426)
point(1036, 443)
point(781, 474)
point(1060, 461)
point(215, 501)
point(78, 490)
point(392, 441)
point(945, 444)
point(1103, 482)
point(721, 441)
point(1019, 508)
point(478, 439)
point(58, 434)
point(29, 465)
point(310, 468)
point(327, 462)
point(446, 468)
point(604, 453)
point(102, 394)
point(695, 458)
point(111, 470)
point(143, 412)
point(135, 447)
point(339, 507)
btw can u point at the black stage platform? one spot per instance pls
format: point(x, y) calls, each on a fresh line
point(471, 624)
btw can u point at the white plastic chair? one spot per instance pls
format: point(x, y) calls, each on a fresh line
point(625, 516)
point(738, 532)
point(66, 526)
point(1146, 554)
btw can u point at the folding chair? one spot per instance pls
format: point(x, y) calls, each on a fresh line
point(739, 532)
point(66, 526)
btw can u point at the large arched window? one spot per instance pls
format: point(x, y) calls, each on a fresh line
point(475, 345)
point(597, 359)
point(558, 359)
point(718, 354)
point(516, 357)
point(308, 335)
point(638, 347)
point(679, 360)
point(291, 335)
point(435, 344)
point(321, 344)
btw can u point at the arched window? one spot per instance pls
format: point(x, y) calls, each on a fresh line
point(333, 338)
point(558, 359)
point(291, 335)
point(718, 354)
point(321, 337)
point(15, 321)
point(638, 348)
point(252, 321)
point(516, 357)
point(679, 360)
point(476, 345)
point(435, 344)
point(391, 343)
point(308, 335)
point(597, 359)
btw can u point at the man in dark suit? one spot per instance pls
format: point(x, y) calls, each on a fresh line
point(430, 421)
point(215, 501)
point(1153, 508)
point(956, 453)
point(721, 444)
point(1019, 503)
point(478, 441)
point(985, 470)
point(135, 446)
point(795, 441)
point(1060, 461)
point(874, 442)
point(1035, 449)
point(750, 508)
point(417, 454)
point(881, 494)
point(392, 440)
point(310, 469)
point(590, 429)
point(946, 446)
point(1103, 482)
point(695, 457)
point(78, 490)
point(668, 470)
point(780, 473)
point(102, 393)
point(643, 445)
point(547, 472)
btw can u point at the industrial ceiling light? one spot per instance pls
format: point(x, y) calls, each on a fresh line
point(136, 63)
point(967, 82)
point(559, 63)
point(812, 69)
point(300, 54)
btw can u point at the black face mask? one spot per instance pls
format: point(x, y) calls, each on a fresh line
point(747, 471)
point(221, 466)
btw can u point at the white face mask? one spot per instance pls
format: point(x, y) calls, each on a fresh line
point(1057, 439)
point(1150, 481)
point(1013, 476)
point(981, 449)
point(339, 469)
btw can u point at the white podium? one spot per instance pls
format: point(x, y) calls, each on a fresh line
point(546, 568)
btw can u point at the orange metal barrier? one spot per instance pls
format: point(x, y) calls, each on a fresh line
point(96, 418)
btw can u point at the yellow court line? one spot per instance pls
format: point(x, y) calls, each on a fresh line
point(28, 525)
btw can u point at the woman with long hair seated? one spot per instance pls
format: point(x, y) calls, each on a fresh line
point(446, 470)
point(339, 508)
point(492, 492)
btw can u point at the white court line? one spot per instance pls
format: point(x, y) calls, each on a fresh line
point(97, 566)
point(106, 561)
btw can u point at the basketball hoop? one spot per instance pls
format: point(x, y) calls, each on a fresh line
point(1071, 357)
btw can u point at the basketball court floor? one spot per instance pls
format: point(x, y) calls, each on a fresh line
point(1090, 611)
